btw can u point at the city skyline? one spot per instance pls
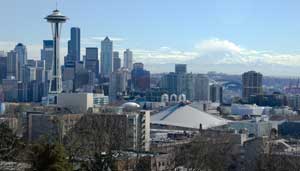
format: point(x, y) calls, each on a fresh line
point(255, 39)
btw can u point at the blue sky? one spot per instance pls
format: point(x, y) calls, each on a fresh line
point(234, 35)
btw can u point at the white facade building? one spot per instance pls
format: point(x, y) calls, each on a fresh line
point(138, 126)
point(139, 130)
point(128, 59)
point(76, 102)
point(245, 109)
point(118, 83)
point(100, 100)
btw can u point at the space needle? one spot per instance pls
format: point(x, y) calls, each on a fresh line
point(56, 19)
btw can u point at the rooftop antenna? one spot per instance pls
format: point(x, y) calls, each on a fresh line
point(56, 5)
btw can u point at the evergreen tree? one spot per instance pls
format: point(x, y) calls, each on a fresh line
point(49, 157)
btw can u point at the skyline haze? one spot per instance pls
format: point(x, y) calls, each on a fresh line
point(230, 37)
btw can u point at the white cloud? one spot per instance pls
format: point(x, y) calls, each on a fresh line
point(212, 54)
point(216, 51)
point(223, 56)
point(163, 55)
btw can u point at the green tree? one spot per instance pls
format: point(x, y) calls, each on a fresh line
point(49, 157)
point(10, 145)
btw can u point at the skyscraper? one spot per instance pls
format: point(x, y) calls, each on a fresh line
point(10, 89)
point(75, 42)
point(47, 54)
point(128, 59)
point(194, 86)
point(22, 53)
point(201, 87)
point(140, 77)
point(73, 55)
point(252, 84)
point(3, 67)
point(180, 68)
point(106, 57)
point(216, 93)
point(186, 85)
point(22, 58)
point(91, 60)
point(118, 83)
point(169, 82)
point(116, 61)
point(56, 20)
point(12, 65)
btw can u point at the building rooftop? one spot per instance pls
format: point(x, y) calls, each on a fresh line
point(188, 117)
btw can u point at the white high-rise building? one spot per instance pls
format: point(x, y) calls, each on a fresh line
point(194, 86)
point(118, 83)
point(128, 59)
point(139, 127)
point(138, 134)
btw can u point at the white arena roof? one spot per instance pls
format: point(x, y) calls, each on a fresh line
point(188, 117)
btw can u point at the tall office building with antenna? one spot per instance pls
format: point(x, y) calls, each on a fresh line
point(56, 19)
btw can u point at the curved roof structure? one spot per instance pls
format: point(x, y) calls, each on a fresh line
point(130, 106)
point(188, 117)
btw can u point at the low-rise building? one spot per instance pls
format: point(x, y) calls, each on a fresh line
point(251, 110)
point(76, 102)
point(133, 160)
point(257, 128)
point(289, 129)
point(52, 127)
point(100, 100)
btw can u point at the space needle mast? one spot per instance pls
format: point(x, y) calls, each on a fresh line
point(56, 19)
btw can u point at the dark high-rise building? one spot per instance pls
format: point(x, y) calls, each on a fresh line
point(169, 82)
point(47, 53)
point(13, 65)
point(216, 93)
point(3, 68)
point(180, 69)
point(116, 61)
point(106, 57)
point(140, 77)
point(23, 91)
point(22, 58)
point(10, 89)
point(73, 55)
point(252, 84)
point(75, 44)
point(91, 60)
point(22, 53)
